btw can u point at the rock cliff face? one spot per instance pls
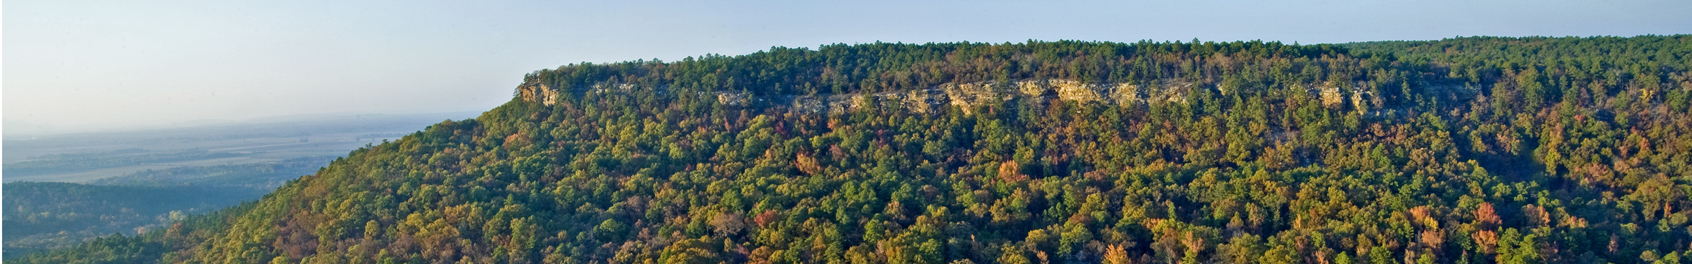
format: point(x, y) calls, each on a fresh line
point(532, 91)
point(965, 96)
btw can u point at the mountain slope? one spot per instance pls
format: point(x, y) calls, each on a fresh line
point(1468, 150)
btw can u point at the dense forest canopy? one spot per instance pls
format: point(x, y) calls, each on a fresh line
point(1466, 150)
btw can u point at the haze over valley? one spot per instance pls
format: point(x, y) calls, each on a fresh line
point(63, 189)
point(84, 157)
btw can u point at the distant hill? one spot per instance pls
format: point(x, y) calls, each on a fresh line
point(1466, 150)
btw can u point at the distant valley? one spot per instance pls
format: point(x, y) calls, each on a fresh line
point(84, 157)
point(63, 189)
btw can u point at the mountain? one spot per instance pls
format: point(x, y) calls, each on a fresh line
point(1465, 150)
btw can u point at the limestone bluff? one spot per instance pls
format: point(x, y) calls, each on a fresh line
point(968, 95)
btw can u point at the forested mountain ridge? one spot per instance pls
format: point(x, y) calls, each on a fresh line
point(1467, 150)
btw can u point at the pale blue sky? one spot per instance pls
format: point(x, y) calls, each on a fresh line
point(100, 65)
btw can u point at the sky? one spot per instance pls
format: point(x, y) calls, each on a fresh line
point(81, 66)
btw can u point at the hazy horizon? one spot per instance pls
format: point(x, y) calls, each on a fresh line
point(15, 132)
point(111, 65)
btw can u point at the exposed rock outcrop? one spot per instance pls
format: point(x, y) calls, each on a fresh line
point(532, 91)
point(965, 96)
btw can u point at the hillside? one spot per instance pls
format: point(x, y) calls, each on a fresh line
point(1467, 150)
